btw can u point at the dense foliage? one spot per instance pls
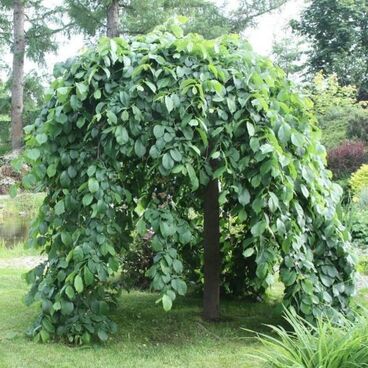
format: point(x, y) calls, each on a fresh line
point(346, 158)
point(205, 17)
point(132, 133)
point(338, 33)
point(358, 124)
point(359, 180)
point(335, 106)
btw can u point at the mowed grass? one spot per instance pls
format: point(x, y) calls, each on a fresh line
point(147, 336)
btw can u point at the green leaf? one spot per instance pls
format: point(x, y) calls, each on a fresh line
point(243, 196)
point(259, 228)
point(97, 94)
point(51, 170)
point(167, 162)
point(180, 286)
point(158, 131)
point(87, 200)
point(167, 228)
point(67, 308)
point(69, 291)
point(88, 276)
point(192, 176)
point(29, 181)
point(93, 185)
point(121, 135)
point(288, 277)
point(248, 252)
point(139, 148)
point(169, 103)
point(82, 90)
point(297, 139)
point(33, 154)
point(64, 179)
point(166, 302)
point(178, 266)
point(78, 284)
point(176, 30)
point(176, 155)
point(91, 170)
point(125, 115)
point(307, 286)
point(72, 172)
point(41, 138)
point(111, 117)
point(59, 208)
point(102, 335)
point(66, 238)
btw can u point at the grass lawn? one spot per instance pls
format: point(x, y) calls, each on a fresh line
point(147, 336)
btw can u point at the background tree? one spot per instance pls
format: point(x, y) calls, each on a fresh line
point(113, 29)
point(338, 35)
point(140, 16)
point(30, 34)
point(288, 53)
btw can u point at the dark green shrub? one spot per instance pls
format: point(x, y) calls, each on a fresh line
point(359, 230)
point(358, 125)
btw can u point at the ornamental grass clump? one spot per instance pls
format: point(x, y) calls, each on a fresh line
point(324, 345)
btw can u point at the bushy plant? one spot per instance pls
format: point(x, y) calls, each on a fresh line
point(359, 229)
point(339, 115)
point(362, 265)
point(324, 345)
point(327, 93)
point(174, 115)
point(346, 158)
point(359, 180)
point(358, 124)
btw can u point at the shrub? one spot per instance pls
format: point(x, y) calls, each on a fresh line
point(346, 158)
point(362, 265)
point(324, 345)
point(358, 124)
point(359, 229)
point(359, 180)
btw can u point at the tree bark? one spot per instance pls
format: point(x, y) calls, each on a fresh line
point(212, 260)
point(17, 75)
point(113, 19)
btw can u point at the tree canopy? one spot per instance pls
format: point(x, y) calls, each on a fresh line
point(133, 133)
point(338, 31)
point(141, 16)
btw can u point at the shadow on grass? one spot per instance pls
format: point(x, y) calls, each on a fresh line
point(140, 319)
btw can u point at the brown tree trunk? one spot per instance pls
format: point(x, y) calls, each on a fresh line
point(17, 75)
point(212, 260)
point(113, 19)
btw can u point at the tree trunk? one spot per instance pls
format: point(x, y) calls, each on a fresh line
point(113, 19)
point(17, 75)
point(212, 260)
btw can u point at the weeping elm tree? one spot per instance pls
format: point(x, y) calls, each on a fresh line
point(218, 131)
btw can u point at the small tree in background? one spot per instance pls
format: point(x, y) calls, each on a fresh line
point(30, 34)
